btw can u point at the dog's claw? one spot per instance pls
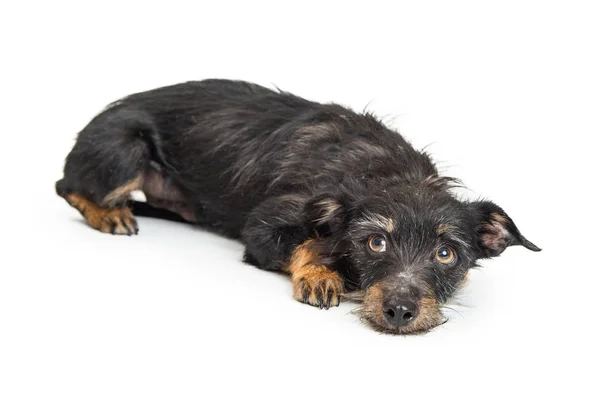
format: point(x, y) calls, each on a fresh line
point(305, 290)
point(329, 298)
point(319, 296)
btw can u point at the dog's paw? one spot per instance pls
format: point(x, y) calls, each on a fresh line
point(318, 286)
point(118, 222)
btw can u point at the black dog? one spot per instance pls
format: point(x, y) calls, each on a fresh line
point(334, 198)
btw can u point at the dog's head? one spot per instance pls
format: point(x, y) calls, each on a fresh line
point(409, 248)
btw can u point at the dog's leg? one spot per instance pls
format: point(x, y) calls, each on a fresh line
point(107, 163)
point(108, 220)
point(314, 283)
point(273, 230)
point(111, 214)
point(277, 238)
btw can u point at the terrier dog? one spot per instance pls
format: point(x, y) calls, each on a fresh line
point(335, 198)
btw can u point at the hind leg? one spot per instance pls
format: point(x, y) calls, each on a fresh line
point(112, 214)
point(106, 164)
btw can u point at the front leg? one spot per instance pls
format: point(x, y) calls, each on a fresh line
point(281, 235)
point(314, 283)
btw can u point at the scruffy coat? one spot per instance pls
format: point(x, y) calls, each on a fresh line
point(316, 190)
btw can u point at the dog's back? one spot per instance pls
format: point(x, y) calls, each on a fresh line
point(210, 151)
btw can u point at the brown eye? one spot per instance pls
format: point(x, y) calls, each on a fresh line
point(377, 244)
point(445, 255)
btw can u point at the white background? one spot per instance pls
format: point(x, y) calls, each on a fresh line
point(507, 95)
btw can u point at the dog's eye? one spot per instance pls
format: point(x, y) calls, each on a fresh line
point(445, 255)
point(377, 244)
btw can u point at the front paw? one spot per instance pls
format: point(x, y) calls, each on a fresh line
point(318, 286)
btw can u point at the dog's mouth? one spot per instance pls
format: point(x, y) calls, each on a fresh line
point(428, 314)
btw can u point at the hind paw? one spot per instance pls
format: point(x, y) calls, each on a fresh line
point(118, 221)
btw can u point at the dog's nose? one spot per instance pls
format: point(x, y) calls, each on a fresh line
point(398, 312)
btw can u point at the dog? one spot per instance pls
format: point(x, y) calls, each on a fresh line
point(336, 199)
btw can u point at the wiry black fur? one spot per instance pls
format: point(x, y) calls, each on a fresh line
point(259, 165)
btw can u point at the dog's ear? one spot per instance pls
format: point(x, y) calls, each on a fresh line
point(325, 214)
point(496, 230)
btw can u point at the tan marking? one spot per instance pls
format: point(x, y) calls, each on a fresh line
point(501, 219)
point(371, 312)
point(329, 207)
point(108, 220)
point(379, 221)
point(444, 228)
point(313, 282)
point(122, 192)
point(389, 226)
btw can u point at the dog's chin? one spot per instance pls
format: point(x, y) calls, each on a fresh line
point(371, 313)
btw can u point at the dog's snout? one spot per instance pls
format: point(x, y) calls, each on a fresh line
point(399, 312)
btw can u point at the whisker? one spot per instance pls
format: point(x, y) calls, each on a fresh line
point(450, 308)
point(461, 305)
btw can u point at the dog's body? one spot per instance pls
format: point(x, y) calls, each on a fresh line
point(333, 197)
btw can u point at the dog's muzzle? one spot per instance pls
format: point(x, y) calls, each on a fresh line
point(399, 307)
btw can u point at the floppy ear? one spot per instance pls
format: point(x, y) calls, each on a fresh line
point(325, 214)
point(496, 230)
